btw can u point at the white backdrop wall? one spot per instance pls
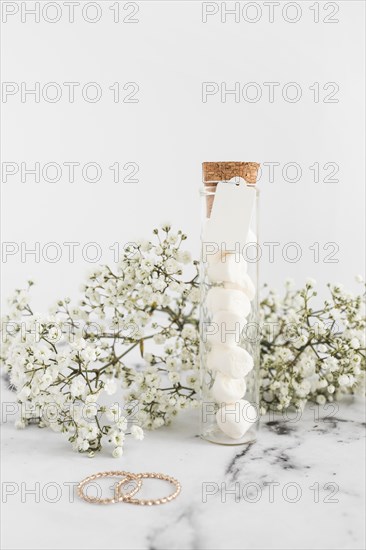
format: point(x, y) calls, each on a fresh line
point(298, 102)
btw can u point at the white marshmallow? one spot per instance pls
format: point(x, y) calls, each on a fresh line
point(236, 419)
point(226, 328)
point(228, 390)
point(245, 286)
point(228, 300)
point(232, 361)
point(227, 269)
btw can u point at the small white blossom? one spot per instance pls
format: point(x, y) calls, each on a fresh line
point(117, 452)
point(189, 331)
point(117, 438)
point(184, 257)
point(159, 339)
point(78, 386)
point(321, 400)
point(344, 380)
point(171, 266)
point(110, 386)
point(137, 432)
point(174, 377)
point(355, 343)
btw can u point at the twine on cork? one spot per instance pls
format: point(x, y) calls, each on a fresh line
point(213, 172)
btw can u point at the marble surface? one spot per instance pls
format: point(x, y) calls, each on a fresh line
point(300, 486)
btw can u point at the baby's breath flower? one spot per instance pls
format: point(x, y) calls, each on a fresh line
point(321, 399)
point(328, 356)
point(117, 452)
point(110, 386)
point(184, 257)
point(355, 343)
point(137, 432)
point(166, 226)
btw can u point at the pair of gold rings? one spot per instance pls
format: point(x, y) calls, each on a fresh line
point(120, 495)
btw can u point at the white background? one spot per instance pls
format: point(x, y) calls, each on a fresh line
point(169, 53)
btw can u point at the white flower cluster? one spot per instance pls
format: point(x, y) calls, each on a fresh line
point(64, 366)
point(58, 387)
point(311, 354)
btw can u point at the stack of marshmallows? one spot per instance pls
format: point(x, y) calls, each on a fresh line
point(229, 306)
point(230, 293)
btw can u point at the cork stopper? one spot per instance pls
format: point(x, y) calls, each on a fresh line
point(224, 171)
point(213, 172)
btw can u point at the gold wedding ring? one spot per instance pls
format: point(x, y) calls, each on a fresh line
point(127, 477)
point(119, 497)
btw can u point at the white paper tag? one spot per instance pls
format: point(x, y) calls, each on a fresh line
point(231, 214)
